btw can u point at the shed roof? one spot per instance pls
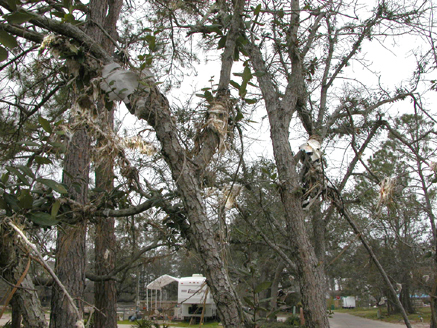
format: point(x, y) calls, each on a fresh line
point(162, 281)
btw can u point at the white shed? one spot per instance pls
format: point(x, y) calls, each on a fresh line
point(194, 298)
point(156, 286)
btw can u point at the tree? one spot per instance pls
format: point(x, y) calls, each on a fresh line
point(148, 103)
point(295, 61)
point(298, 52)
point(105, 15)
point(413, 132)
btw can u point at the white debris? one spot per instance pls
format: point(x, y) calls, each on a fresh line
point(118, 83)
point(313, 148)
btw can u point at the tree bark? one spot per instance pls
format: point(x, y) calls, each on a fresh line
point(310, 273)
point(275, 286)
point(70, 244)
point(105, 13)
point(26, 306)
point(27, 301)
point(405, 297)
point(16, 314)
point(433, 301)
point(152, 106)
point(319, 232)
point(105, 242)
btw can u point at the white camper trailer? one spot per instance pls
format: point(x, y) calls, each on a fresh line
point(194, 298)
point(348, 302)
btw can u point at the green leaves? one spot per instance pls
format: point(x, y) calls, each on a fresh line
point(42, 219)
point(222, 42)
point(18, 17)
point(21, 177)
point(246, 76)
point(257, 10)
point(146, 59)
point(28, 143)
point(13, 4)
point(8, 40)
point(45, 124)
point(56, 186)
point(25, 199)
point(151, 41)
point(42, 160)
point(69, 17)
point(55, 208)
point(10, 203)
point(3, 54)
point(262, 286)
point(207, 95)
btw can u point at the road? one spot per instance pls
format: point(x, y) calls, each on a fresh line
point(344, 320)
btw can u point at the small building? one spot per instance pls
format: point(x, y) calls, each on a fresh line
point(194, 298)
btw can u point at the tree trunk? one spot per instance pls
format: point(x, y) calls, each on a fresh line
point(405, 298)
point(275, 286)
point(319, 232)
point(153, 107)
point(106, 14)
point(201, 234)
point(310, 273)
point(280, 111)
point(16, 314)
point(70, 269)
point(105, 241)
point(70, 244)
point(105, 291)
point(26, 306)
point(206, 245)
point(433, 302)
point(27, 302)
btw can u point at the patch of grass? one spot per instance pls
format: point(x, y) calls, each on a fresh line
point(212, 324)
point(423, 313)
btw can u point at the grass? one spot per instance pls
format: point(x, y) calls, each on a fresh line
point(372, 313)
point(212, 324)
point(187, 324)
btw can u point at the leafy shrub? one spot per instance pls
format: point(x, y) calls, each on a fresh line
point(291, 321)
point(275, 325)
point(143, 323)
